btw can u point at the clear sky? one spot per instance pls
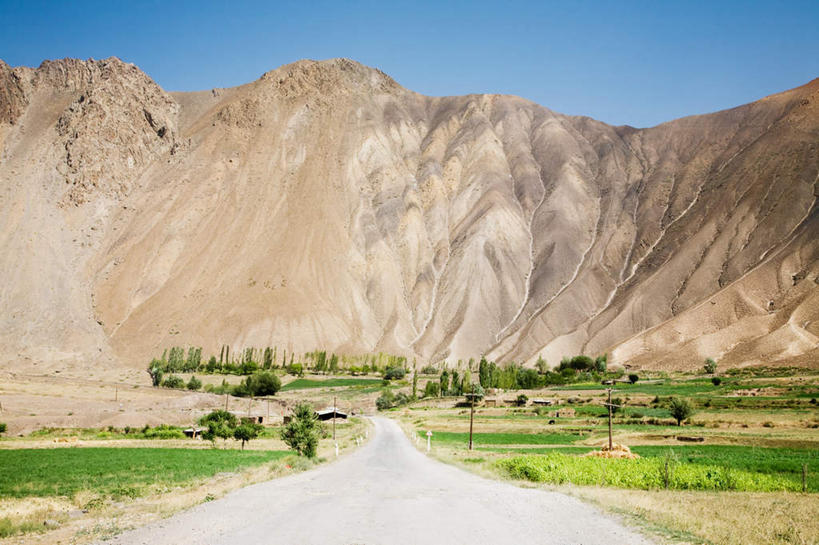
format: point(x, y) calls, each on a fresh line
point(636, 63)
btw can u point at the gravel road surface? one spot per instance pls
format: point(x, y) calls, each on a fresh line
point(386, 492)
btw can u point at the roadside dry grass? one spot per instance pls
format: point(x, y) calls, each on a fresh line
point(714, 518)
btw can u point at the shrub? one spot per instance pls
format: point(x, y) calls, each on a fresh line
point(394, 373)
point(710, 366)
point(220, 423)
point(716, 381)
point(3, 427)
point(247, 431)
point(680, 409)
point(302, 432)
point(155, 371)
point(173, 381)
point(528, 379)
point(432, 389)
point(264, 383)
point(475, 393)
point(385, 401)
point(521, 400)
point(194, 383)
point(633, 378)
point(163, 431)
point(429, 370)
point(296, 369)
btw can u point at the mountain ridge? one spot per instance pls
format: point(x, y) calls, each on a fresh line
point(436, 227)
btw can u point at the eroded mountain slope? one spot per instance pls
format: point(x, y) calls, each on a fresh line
point(323, 205)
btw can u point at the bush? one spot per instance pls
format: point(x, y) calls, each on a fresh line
point(716, 381)
point(3, 427)
point(475, 393)
point(385, 401)
point(432, 389)
point(194, 383)
point(163, 431)
point(155, 371)
point(264, 383)
point(302, 432)
point(296, 369)
point(174, 382)
point(633, 378)
point(220, 423)
point(429, 370)
point(394, 373)
point(521, 400)
point(528, 379)
point(710, 366)
point(680, 409)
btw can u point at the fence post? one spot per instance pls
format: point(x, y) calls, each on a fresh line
point(804, 477)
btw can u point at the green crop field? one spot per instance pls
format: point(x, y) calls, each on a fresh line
point(306, 383)
point(115, 472)
point(504, 438)
point(645, 473)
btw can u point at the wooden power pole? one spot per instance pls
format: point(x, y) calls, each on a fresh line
point(609, 405)
point(471, 413)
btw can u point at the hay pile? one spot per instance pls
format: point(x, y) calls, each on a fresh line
point(617, 451)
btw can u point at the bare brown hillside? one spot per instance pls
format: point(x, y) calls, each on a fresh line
point(324, 205)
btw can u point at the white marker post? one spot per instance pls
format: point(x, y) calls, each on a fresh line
point(429, 440)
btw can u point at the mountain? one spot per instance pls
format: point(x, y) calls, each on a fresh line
point(325, 206)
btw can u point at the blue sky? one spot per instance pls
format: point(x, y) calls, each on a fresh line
point(636, 63)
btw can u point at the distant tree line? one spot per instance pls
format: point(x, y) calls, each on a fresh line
point(251, 360)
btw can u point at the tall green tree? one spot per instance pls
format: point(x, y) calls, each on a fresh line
point(444, 382)
point(303, 431)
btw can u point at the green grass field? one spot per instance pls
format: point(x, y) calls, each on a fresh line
point(780, 462)
point(504, 438)
point(642, 473)
point(306, 383)
point(115, 472)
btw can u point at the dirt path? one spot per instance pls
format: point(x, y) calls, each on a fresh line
point(387, 492)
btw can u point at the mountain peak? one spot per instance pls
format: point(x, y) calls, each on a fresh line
point(329, 77)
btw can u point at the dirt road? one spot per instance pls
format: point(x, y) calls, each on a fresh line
point(389, 493)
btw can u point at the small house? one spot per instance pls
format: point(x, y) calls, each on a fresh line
point(566, 412)
point(490, 402)
point(542, 402)
point(330, 413)
point(194, 432)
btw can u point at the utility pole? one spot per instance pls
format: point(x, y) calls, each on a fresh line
point(471, 413)
point(609, 405)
